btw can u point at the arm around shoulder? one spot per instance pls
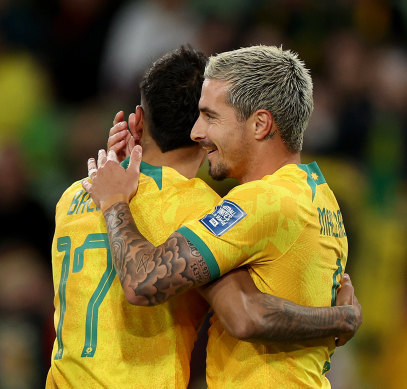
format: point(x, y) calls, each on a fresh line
point(248, 314)
point(230, 297)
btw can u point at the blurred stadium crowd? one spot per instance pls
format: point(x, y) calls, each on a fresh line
point(67, 66)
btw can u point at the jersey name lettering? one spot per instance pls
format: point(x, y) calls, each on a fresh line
point(81, 202)
point(331, 223)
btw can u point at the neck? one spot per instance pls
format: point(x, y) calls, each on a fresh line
point(266, 160)
point(185, 160)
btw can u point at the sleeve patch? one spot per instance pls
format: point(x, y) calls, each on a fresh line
point(223, 218)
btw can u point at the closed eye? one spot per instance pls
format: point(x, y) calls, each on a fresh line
point(208, 113)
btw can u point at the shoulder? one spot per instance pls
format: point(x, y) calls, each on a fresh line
point(182, 186)
point(285, 191)
point(269, 188)
point(75, 187)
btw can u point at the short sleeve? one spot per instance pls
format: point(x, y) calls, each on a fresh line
point(237, 231)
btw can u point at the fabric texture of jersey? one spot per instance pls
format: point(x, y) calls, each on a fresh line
point(288, 228)
point(102, 340)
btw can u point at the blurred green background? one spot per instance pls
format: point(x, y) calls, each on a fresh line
point(66, 68)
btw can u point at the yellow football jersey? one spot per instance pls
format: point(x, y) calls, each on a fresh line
point(102, 340)
point(288, 228)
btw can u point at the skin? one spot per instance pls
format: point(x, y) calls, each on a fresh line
point(150, 275)
point(238, 149)
point(138, 263)
point(113, 187)
point(243, 310)
point(225, 134)
point(122, 137)
point(260, 316)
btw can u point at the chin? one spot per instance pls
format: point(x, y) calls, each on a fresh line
point(218, 173)
point(218, 177)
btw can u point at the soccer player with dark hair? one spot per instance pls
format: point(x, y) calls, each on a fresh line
point(282, 221)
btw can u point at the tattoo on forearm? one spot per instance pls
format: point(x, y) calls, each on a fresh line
point(284, 320)
point(194, 250)
point(200, 268)
point(156, 273)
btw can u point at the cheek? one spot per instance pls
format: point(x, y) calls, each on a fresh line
point(213, 132)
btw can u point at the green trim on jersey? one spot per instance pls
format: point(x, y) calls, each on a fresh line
point(314, 176)
point(327, 365)
point(203, 249)
point(155, 172)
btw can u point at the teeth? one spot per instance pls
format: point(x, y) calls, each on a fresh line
point(209, 149)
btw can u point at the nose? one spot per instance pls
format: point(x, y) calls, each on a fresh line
point(198, 130)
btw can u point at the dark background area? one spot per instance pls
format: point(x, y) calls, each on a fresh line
point(66, 68)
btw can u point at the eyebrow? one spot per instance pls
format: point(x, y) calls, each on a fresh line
point(208, 110)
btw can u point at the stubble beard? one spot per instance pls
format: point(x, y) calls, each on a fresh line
point(219, 171)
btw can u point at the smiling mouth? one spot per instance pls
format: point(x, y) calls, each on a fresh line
point(209, 147)
point(209, 150)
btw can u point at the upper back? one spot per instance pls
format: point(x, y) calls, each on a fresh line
point(102, 340)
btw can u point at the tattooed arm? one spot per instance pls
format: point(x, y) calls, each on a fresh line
point(151, 275)
point(248, 314)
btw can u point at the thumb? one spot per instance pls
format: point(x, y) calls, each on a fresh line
point(346, 291)
point(135, 160)
point(118, 118)
point(345, 280)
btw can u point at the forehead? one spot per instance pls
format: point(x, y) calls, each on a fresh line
point(213, 93)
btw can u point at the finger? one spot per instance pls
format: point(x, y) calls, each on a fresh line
point(345, 295)
point(112, 156)
point(86, 185)
point(117, 128)
point(135, 160)
point(346, 290)
point(101, 158)
point(131, 143)
point(119, 117)
point(92, 169)
point(118, 147)
point(345, 279)
point(114, 139)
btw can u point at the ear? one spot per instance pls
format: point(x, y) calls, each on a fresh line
point(136, 122)
point(263, 124)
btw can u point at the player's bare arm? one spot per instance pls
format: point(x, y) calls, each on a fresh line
point(248, 314)
point(149, 275)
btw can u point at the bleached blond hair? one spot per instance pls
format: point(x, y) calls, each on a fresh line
point(267, 77)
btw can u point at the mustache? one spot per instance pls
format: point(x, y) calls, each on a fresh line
point(207, 144)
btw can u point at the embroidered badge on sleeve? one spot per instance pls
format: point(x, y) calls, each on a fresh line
point(223, 218)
